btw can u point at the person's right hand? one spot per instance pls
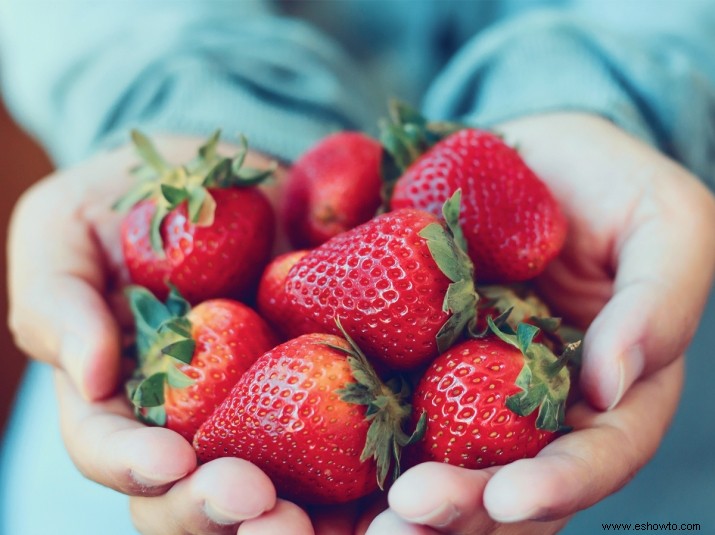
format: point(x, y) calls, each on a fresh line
point(67, 309)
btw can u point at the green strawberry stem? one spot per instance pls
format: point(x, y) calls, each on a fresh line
point(449, 251)
point(387, 410)
point(163, 341)
point(544, 379)
point(169, 186)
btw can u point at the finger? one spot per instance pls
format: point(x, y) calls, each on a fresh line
point(285, 518)
point(661, 286)
point(214, 499)
point(389, 522)
point(110, 447)
point(599, 457)
point(56, 278)
point(442, 496)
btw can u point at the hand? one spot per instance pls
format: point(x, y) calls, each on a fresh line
point(170, 495)
point(66, 272)
point(636, 270)
point(537, 496)
point(639, 259)
point(65, 281)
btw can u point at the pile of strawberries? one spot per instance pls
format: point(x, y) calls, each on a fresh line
point(402, 321)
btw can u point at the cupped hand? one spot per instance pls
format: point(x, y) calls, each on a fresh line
point(67, 309)
point(639, 259)
point(538, 496)
point(66, 272)
point(635, 271)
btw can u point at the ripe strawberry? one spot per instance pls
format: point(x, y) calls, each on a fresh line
point(481, 399)
point(511, 221)
point(272, 298)
point(401, 284)
point(203, 227)
point(314, 416)
point(333, 187)
point(190, 358)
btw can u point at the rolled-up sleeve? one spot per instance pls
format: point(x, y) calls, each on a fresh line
point(647, 65)
point(78, 74)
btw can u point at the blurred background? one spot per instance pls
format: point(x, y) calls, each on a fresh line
point(22, 162)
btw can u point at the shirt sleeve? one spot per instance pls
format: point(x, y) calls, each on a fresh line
point(647, 65)
point(79, 74)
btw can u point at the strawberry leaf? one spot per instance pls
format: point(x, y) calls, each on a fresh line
point(150, 392)
point(544, 380)
point(461, 301)
point(208, 151)
point(450, 212)
point(163, 338)
point(183, 350)
point(386, 409)
point(153, 416)
point(178, 379)
point(142, 191)
point(196, 201)
point(157, 242)
point(147, 151)
point(173, 195)
point(176, 304)
point(448, 250)
point(149, 314)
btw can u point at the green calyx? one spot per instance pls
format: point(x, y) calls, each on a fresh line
point(544, 380)
point(387, 411)
point(163, 342)
point(405, 135)
point(518, 303)
point(170, 185)
point(448, 248)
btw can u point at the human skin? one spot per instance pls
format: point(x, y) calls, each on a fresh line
point(625, 257)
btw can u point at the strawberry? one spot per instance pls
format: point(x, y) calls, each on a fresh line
point(333, 187)
point(512, 223)
point(272, 298)
point(492, 400)
point(190, 358)
point(204, 227)
point(314, 416)
point(401, 284)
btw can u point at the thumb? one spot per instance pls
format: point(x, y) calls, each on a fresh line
point(664, 272)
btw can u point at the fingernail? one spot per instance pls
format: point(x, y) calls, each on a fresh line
point(151, 480)
point(506, 499)
point(442, 516)
point(220, 515)
point(630, 367)
point(73, 356)
point(517, 516)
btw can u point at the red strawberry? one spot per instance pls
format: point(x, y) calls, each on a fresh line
point(203, 227)
point(314, 416)
point(481, 399)
point(400, 283)
point(511, 221)
point(333, 187)
point(272, 297)
point(189, 359)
